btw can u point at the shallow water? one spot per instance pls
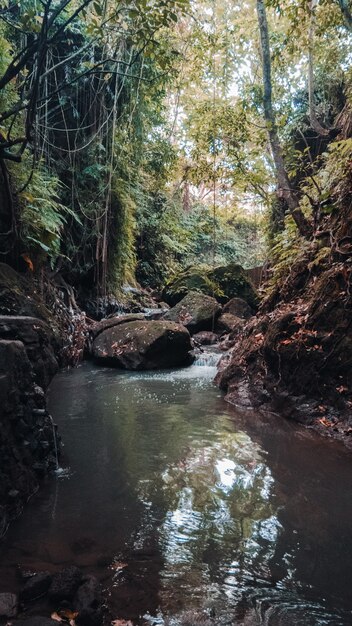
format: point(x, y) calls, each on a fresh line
point(179, 503)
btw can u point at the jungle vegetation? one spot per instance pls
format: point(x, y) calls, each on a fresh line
point(140, 137)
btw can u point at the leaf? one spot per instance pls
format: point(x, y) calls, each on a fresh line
point(28, 260)
point(121, 622)
point(56, 617)
point(67, 614)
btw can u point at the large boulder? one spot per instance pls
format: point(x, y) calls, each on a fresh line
point(196, 312)
point(227, 323)
point(110, 322)
point(8, 605)
point(192, 279)
point(239, 308)
point(65, 583)
point(233, 282)
point(222, 283)
point(143, 345)
point(205, 338)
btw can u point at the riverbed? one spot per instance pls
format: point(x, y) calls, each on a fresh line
point(186, 507)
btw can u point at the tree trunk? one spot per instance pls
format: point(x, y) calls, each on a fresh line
point(284, 186)
point(347, 14)
point(315, 124)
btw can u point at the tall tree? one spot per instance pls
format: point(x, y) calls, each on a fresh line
point(283, 182)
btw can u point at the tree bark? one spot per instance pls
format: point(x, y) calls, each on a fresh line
point(283, 183)
point(347, 13)
point(315, 124)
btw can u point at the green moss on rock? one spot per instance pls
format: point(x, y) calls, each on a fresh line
point(222, 283)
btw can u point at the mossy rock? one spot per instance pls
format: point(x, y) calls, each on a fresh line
point(196, 311)
point(192, 279)
point(232, 282)
point(18, 295)
point(222, 283)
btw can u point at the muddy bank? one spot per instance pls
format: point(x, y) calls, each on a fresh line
point(295, 357)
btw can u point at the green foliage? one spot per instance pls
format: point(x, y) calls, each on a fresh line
point(43, 216)
point(122, 261)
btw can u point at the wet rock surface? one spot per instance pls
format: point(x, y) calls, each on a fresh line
point(205, 338)
point(36, 620)
point(8, 605)
point(27, 446)
point(68, 595)
point(65, 583)
point(39, 342)
point(110, 322)
point(196, 311)
point(142, 345)
point(36, 586)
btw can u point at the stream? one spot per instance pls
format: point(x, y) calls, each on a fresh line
point(188, 510)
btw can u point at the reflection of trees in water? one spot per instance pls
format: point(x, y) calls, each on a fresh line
point(220, 522)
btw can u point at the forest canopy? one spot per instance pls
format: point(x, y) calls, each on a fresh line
point(140, 138)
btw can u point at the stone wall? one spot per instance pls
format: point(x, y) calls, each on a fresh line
point(27, 445)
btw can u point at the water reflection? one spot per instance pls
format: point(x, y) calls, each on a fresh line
point(242, 516)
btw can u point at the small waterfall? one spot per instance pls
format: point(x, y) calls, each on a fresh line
point(208, 359)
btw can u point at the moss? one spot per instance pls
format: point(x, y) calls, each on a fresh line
point(18, 296)
point(223, 283)
point(233, 282)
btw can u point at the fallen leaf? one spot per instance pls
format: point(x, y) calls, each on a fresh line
point(28, 260)
point(56, 617)
point(325, 422)
point(342, 389)
point(322, 408)
point(67, 614)
point(121, 622)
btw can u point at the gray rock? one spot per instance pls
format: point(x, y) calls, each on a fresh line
point(38, 340)
point(8, 605)
point(65, 583)
point(206, 338)
point(36, 586)
point(116, 320)
point(228, 323)
point(239, 308)
point(195, 311)
point(143, 345)
point(88, 601)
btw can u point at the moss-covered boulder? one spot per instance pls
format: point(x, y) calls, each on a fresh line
point(232, 282)
point(192, 279)
point(143, 345)
point(196, 311)
point(222, 283)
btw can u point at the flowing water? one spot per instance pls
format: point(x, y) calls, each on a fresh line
point(188, 510)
